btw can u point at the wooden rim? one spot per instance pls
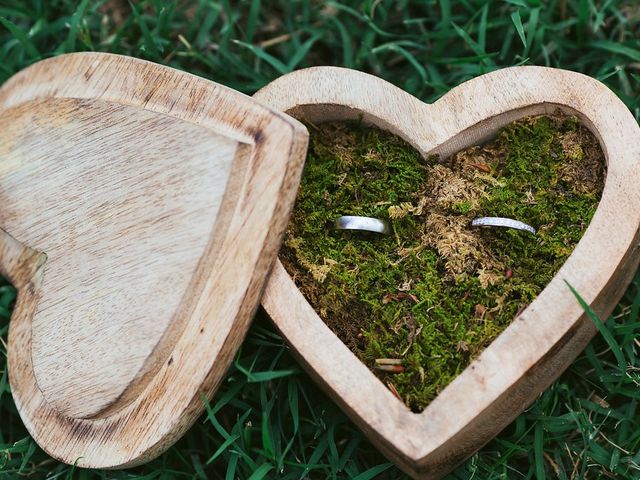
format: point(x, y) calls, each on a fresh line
point(549, 334)
point(170, 401)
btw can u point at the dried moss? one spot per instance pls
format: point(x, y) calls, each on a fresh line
point(436, 292)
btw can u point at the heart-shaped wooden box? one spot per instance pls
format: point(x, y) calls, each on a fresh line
point(542, 340)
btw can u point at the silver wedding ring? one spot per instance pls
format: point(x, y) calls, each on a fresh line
point(502, 222)
point(367, 224)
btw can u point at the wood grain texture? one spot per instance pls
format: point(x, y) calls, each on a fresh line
point(548, 335)
point(143, 208)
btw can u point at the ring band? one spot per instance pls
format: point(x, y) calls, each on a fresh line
point(502, 222)
point(367, 224)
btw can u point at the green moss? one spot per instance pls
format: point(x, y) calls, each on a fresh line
point(436, 292)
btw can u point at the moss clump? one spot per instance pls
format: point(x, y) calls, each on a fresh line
point(435, 292)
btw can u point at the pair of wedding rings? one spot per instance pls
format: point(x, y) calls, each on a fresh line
point(369, 224)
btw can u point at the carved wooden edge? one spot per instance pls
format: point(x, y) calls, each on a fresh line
point(549, 334)
point(172, 399)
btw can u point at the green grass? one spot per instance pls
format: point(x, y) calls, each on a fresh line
point(269, 420)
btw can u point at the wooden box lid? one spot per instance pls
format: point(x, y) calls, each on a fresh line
point(142, 208)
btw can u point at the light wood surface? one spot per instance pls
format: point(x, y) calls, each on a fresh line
point(143, 208)
point(548, 335)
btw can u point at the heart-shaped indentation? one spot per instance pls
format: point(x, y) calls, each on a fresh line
point(545, 338)
point(417, 305)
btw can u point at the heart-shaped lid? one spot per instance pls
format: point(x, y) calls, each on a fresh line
point(142, 209)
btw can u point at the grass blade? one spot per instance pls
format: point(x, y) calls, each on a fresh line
point(373, 472)
point(517, 22)
point(604, 331)
point(22, 37)
point(261, 472)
